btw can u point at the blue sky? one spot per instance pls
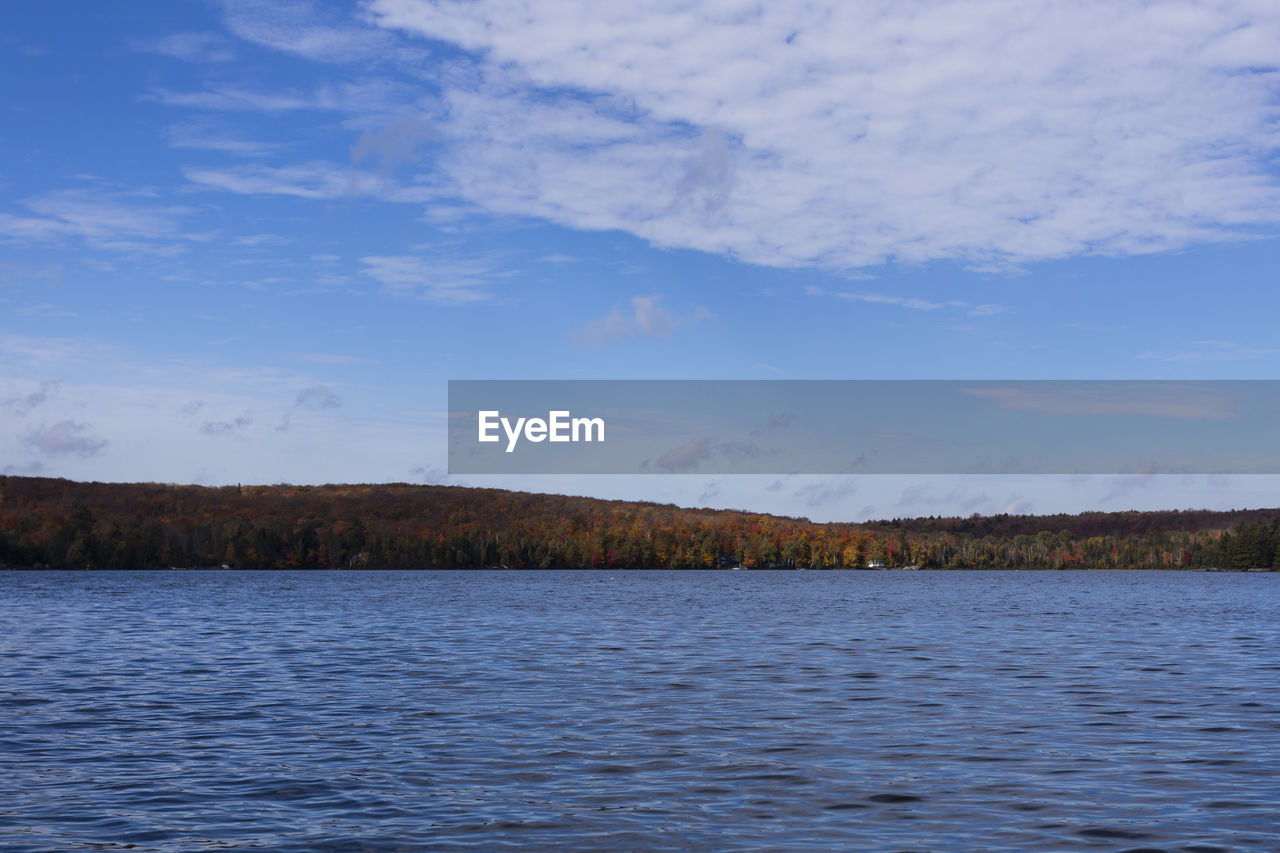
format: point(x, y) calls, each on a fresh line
point(251, 242)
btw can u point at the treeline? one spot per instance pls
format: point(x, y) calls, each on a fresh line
point(47, 523)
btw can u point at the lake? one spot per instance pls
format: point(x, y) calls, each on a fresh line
point(371, 711)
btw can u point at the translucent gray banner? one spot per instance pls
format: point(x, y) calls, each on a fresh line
point(864, 427)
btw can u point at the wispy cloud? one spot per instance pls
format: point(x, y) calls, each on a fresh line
point(689, 456)
point(189, 47)
point(912, 302)
point(435, 280)
point(302, 29)
point(226, 427)
point(48, 353)
point(65, 438)
point(645, 316)
point(234, 98)
point(1197, 351)
point(1095, 327)
point(105, 220)
point(847, 135)
point(202, 136)
point(367, 99)
point(317, 398)
point(317, 180)
point(45, 310)
point(824, 493)
point(332, 358)
point(23, 404)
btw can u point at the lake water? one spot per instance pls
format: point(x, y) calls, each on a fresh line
point(639, 711)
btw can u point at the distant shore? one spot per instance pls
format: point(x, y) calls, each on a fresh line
point(60, 524)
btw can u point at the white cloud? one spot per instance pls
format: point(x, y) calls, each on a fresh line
point(199, 136)
point(101, 219)
point(368, 99)
point(298, 28)
point(995, 133)
point(914, 303)
point(317, 180)
point(189, 47)
point(234, 98)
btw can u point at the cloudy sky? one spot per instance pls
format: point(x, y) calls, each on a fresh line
point(251, 241)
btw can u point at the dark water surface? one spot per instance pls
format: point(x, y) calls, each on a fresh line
point(639, 711)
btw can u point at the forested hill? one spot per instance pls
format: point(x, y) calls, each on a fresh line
point(48, 523)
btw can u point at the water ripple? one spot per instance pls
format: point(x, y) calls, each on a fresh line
point(380, 711)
